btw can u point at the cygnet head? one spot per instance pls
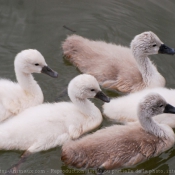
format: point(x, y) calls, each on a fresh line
point(31, 61)
point(148, 43)
point(85, 86)
point(154, 104)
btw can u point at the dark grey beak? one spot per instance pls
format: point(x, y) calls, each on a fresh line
point(169, 109)
point(100, 95)
point(166, 50)
point(49, 71)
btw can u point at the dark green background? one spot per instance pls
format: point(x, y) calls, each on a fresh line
point(39, 24)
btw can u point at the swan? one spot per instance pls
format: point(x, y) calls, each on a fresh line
point(117, 67)
point(122, 146)
point(48, 125)
point(17, 96)
point(116, 109)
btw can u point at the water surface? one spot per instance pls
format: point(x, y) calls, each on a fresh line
point(39, 24)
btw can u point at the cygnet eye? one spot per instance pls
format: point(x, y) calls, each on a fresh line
point(154, 45)
point(161, 106)
point(36, 64)
point(92, 89)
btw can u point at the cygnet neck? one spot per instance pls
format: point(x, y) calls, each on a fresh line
point(150, 125)
point(27, 82)
point(84, 105)
point(145, 66)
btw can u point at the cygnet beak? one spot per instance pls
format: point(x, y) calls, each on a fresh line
point(100, 95)
point(166, 50)
point(47, 70)
point(169, 109)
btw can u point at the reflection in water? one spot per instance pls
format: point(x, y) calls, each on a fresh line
point(39, 24)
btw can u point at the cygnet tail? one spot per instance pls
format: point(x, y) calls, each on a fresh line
point(73, 156)
point(78, 155)
point(75, 49)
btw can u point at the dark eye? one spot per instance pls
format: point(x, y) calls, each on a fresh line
point(92, 89)
point(161, 106)
point(36, 64)
point(154, 45)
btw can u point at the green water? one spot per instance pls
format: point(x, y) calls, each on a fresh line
point(39, 24)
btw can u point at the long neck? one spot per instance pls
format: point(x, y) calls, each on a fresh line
point(93, 117)
point(27, 82)
point(84, 105)
point(151, 126)
point(147, 69)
